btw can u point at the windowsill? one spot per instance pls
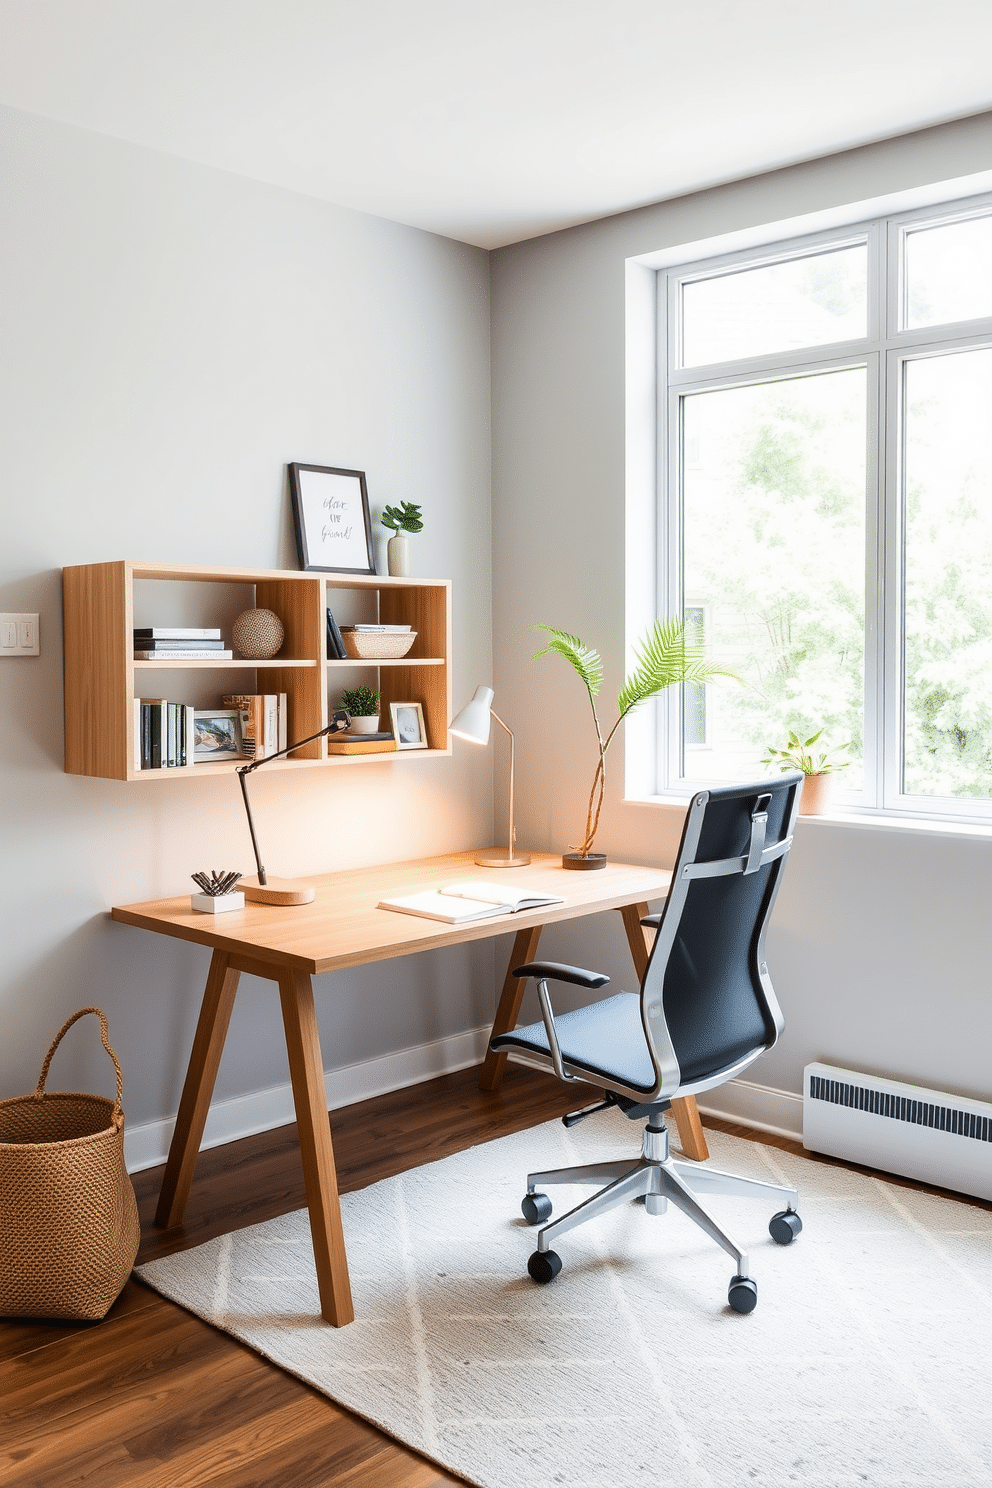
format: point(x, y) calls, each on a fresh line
point(876, 821)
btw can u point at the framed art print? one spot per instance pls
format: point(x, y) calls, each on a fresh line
point(409, 728)
point(217, 734)
point(332, 519)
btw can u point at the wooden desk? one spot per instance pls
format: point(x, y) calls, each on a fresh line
point(343, 927)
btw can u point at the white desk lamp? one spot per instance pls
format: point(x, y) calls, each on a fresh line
point(472, 723)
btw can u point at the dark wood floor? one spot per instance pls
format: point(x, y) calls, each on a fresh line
point(151, 1397)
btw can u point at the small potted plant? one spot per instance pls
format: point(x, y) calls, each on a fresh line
point(818, 766)
point(401, 520)
point(665, 656)
point(363, 704)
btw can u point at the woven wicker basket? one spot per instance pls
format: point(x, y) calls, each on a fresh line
point(68, 1218)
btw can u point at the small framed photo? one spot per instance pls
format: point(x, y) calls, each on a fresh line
point(332, 519)
point(409, 729)
point(217, 735)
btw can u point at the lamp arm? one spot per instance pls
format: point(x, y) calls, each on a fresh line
point(251, 824)
point(340, 721)
point(506, 729)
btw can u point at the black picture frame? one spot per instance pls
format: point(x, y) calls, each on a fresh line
point(332, 519)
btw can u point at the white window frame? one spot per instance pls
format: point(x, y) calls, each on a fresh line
point(883, 352)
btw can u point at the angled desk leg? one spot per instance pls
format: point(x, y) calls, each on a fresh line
point(208, 1044)
point(525, 945)
point(306, 1070)
point(684, 1110)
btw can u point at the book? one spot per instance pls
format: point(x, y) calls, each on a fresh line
point(154, 746)
point(166, 648)
point(186, 654)
point(251, 706)
point(379, 629)
point(469, 901)
point(270, 722)
point(362, 744)
point(283, 721)
point(175, 633)
point(335, 645)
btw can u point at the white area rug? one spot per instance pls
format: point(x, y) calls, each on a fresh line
point(867, 1360)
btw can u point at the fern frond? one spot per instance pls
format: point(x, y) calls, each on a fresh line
point(664, 657)
point(587, 662)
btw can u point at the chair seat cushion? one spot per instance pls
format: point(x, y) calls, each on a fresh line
point(605, 1039)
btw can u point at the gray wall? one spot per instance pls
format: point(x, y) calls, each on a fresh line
point(881, 945)
point(172, 337)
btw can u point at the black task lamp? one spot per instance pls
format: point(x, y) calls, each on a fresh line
point(472, 723)
point(263, 889)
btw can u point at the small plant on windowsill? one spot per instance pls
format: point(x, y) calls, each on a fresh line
point(363, 703)
point(666, 655)
point(818, 765)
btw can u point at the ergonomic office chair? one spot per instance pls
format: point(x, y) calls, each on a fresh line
point(705, 1011)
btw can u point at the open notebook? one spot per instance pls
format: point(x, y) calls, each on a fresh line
point(469, 901)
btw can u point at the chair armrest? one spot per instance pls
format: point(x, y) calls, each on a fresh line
point(556, 972)
point(651, 922)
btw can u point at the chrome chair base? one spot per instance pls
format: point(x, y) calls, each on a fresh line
point(656, 1178)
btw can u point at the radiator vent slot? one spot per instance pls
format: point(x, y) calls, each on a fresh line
point(932, 1135)
point(901, 1108)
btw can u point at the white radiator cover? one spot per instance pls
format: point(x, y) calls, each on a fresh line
point(938, 1138)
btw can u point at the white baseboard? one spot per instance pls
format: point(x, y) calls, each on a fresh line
point(777, 1111)
point(147, 1146)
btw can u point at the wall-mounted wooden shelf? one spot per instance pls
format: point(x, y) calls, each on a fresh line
point(102, 679)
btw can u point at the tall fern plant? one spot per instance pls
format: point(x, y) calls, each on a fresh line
point(664, 657)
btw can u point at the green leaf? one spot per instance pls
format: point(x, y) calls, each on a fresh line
point(665, 657)
point(403, 518)
point(587, 662)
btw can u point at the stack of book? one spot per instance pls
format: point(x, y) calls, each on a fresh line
point(163, 734)
point(179, 643)
point(264, 722)
point(378, 743)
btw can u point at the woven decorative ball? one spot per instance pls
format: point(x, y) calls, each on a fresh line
point(258, 634)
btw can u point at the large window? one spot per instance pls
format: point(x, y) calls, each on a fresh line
point(826, 480)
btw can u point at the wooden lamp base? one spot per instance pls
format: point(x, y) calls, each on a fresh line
point(277, 891)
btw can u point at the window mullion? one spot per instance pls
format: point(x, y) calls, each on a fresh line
point(892, 563)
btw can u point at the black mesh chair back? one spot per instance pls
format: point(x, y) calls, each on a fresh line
point(707, 1003)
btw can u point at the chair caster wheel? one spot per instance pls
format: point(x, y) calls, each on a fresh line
point(784, 1227)
point(535, 1208)
point(743, 1294)
point(544, 1266)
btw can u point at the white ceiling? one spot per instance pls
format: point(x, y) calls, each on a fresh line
point(495, 120)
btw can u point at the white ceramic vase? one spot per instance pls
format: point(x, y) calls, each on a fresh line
point(364, 725)
point(398, 555)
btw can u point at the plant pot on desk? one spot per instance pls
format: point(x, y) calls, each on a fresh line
point(586, 862)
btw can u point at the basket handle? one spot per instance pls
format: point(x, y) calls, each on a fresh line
point(105, 1037)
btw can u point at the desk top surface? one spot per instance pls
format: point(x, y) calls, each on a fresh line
point(343, 926)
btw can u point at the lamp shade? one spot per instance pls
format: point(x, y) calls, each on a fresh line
point(475, 719)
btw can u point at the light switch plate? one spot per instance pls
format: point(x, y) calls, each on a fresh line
point(19, 635)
